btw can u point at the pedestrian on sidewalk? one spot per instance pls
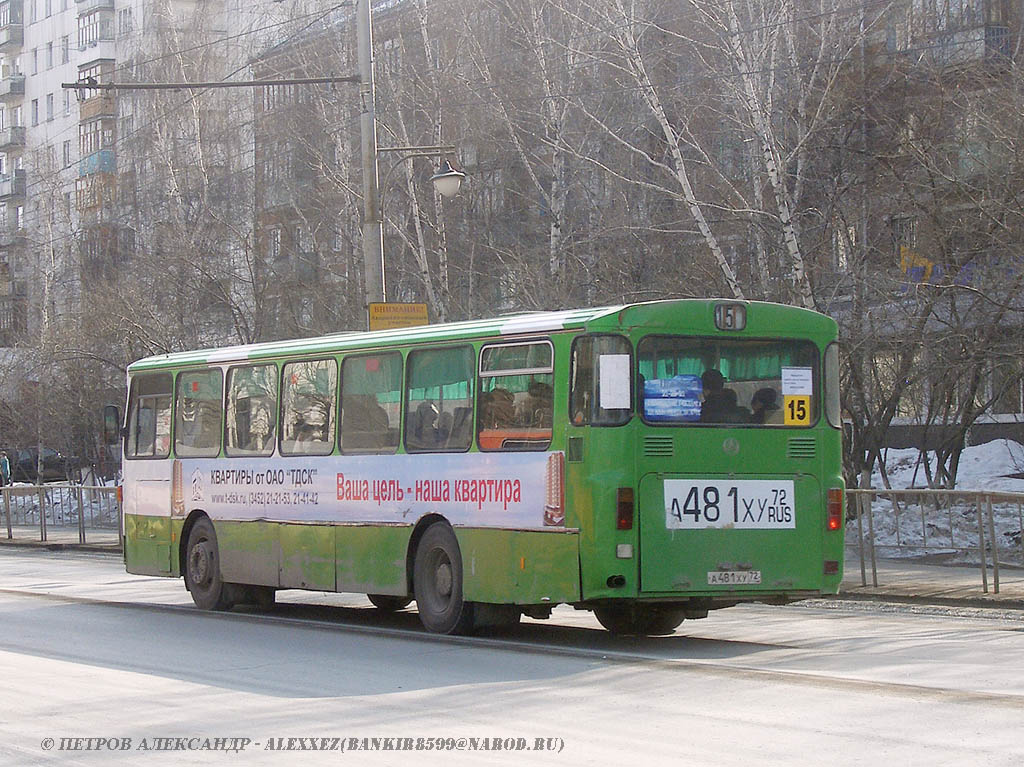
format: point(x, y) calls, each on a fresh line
point(5, 469)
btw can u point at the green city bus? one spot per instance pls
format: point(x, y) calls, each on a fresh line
point(649, 462)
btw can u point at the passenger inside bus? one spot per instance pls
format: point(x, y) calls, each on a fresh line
point(716, 405)
point(365, 424)
point(764, 406)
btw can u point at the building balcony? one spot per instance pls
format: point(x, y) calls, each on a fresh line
point(12, 185)
point(87, 6)
point(13, 319)
point(12, 87)
point(12, 238)
point(101, 48)
point(103, 161)
point(103, 105)
point(12, 36)
point(11, 138)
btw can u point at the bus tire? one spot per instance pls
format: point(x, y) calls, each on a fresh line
point(437, 583)
point(202, 568)
point(644, 620)
point(389, 603)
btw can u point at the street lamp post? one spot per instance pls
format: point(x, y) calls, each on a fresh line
point(372, 230)
point(446, 180)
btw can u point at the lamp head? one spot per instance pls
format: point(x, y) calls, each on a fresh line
point(447, 180)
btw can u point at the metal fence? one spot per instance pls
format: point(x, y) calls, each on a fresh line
point(973, 527)
point(59, 510)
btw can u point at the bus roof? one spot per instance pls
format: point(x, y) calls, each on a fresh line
point(513, 324)
point(509, 325)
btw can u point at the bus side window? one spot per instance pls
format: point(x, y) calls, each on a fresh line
point(197, 414)
point(308, 391)
point(371, 397)
point(516, 407)
point(585, 397)
point(439, 399)
point(251, 423)
point(149, 417)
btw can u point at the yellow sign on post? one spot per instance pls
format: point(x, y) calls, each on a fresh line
point(386, 316)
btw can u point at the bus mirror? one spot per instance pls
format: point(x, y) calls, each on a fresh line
point(111, 424)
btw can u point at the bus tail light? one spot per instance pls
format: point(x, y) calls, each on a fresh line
point(835, 508)
point(120, 495)
point(624, 513)
point(554, 504)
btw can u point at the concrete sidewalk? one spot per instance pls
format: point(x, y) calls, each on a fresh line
point(915, 581)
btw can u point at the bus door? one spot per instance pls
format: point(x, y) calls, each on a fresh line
point(147, 475)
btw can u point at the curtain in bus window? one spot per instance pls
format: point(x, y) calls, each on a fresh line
point(197, 412)
point(149, 417)
point(251, 410)
point(308, 391)
point(371, 395)
point(516, 406)
point(440, 399)
point(722, 381)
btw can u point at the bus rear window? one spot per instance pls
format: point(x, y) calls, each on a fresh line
point(728, 381)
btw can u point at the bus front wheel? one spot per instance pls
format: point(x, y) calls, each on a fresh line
point(202, 568)
point(437, 583)
point(645, 620)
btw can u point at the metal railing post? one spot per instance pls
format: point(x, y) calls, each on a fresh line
point(42, 513)
point(871, 541)
point(81, 514)
point(981, 546)
point(995, 545)
point(7, 511)
point(860, 537)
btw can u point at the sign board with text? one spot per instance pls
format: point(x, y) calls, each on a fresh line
point(389, 315)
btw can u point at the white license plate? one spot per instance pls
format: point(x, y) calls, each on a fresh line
point(734, 577)
point(743, 504)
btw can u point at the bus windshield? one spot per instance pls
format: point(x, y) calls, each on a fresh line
point(686, 380)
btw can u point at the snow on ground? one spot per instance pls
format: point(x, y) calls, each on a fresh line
point(948, 528)
point(982, 467)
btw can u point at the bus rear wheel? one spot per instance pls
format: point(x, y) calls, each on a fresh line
point(388, 603)
point(644, 620)
point(437, 583)
point(202, 568)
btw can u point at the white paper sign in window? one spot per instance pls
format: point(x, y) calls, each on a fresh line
point(614, 381)
point(797, 381)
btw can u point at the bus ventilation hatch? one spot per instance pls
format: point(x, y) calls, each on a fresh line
point(801, 447)
point(659, 447)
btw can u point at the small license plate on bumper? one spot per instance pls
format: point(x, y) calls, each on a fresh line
point(734, 577)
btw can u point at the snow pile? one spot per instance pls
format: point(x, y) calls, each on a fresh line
point(983, 467)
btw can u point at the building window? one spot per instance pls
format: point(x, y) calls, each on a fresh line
point(67, 101)
point(65, 49)
point(274, 246)
point(67, 153)
point(49, 106)
point(35, 61)
point(124, 21)
point(35, 111)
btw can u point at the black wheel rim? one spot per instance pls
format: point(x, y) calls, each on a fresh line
point(200, 564)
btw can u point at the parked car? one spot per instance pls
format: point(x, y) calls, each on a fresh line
point(25, 463)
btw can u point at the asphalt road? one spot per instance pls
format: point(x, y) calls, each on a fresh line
point(90, 652)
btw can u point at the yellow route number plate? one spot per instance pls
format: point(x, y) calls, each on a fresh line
point(796, 410)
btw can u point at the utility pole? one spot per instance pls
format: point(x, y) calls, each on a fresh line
point(372, 228)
